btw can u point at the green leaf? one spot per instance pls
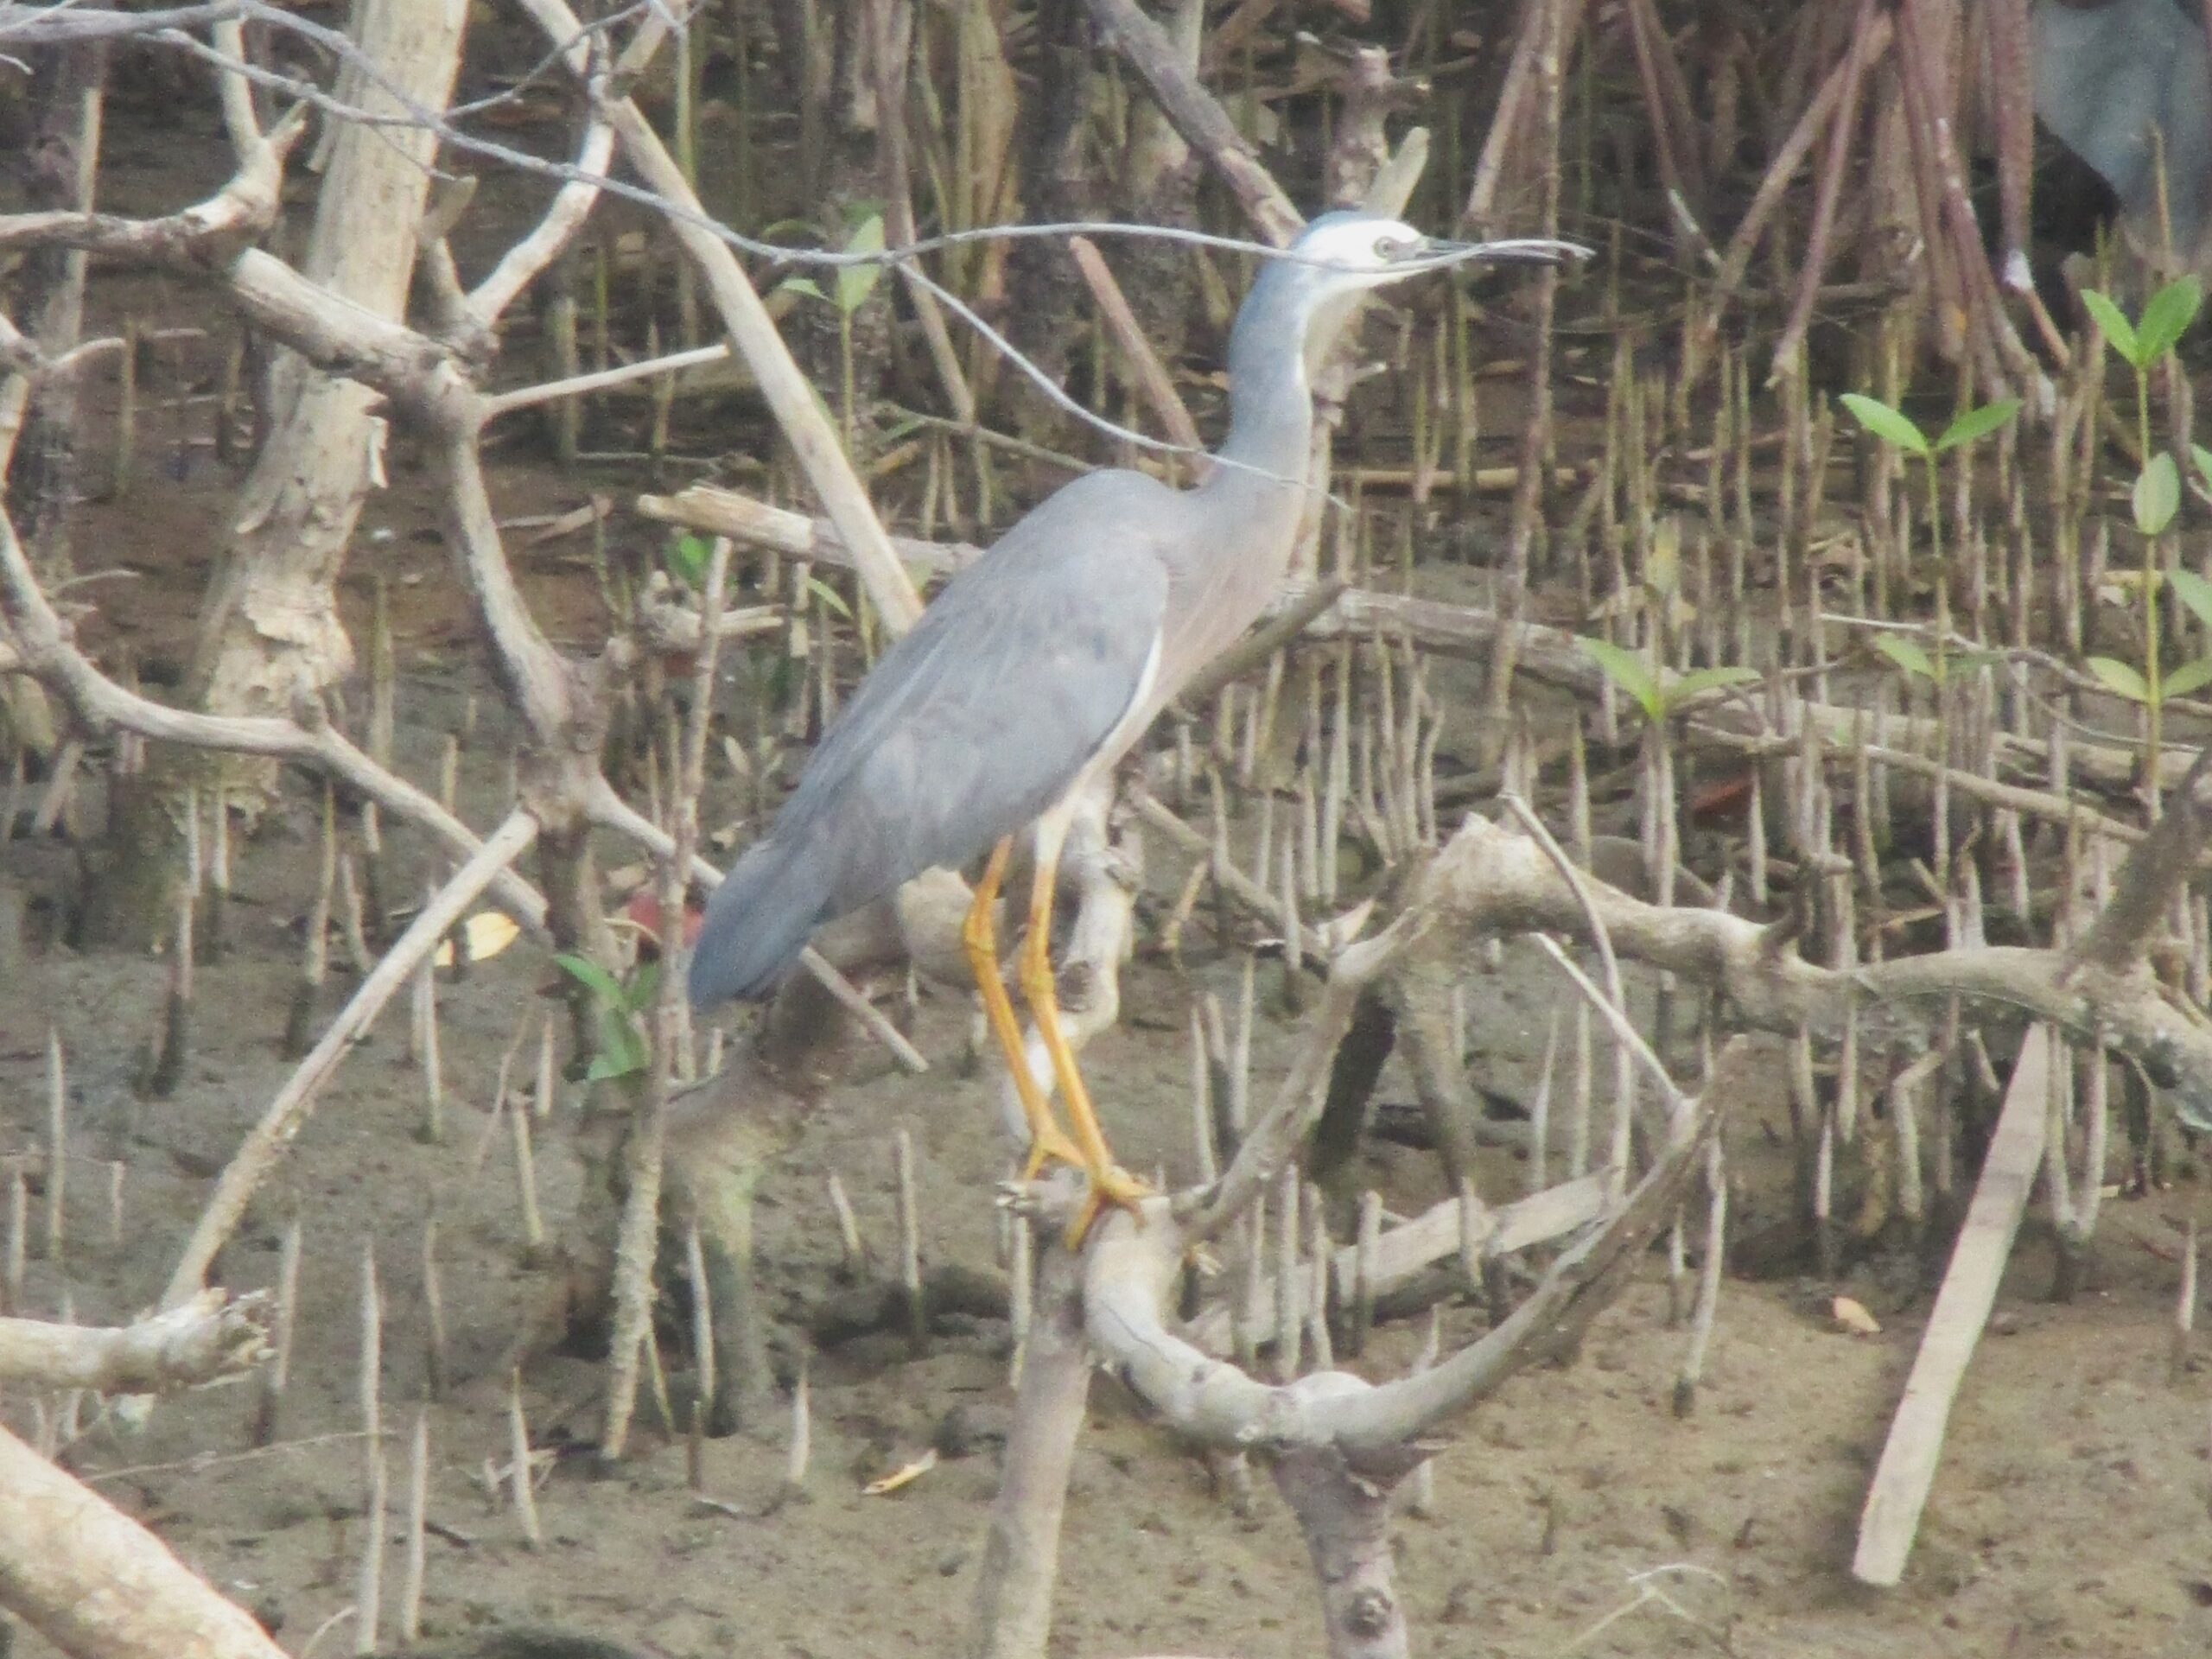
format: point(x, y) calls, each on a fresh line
point(2119, 677)
point(2157, 494)
point(857, 282)
point(1977, 422)
point(806, 285)
point(1684, 686)
point(687, 558)
point(2114, 327)
point(830, 596)
point(2195, 591)
point(1885, 423)
point(605, 1068)
point(2189, 677)
point(645, 983)
point(621, 1050)
point(2167, 317)
point(605, 989)
point(1906, 654)
point(2202, 457)
point(1628, 669)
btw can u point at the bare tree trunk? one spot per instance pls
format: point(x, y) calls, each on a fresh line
point(270, 634)
point(1345, 1516)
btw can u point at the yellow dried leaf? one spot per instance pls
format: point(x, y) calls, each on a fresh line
point(1853, 1317)
point(898, 1477)
point(488, 932)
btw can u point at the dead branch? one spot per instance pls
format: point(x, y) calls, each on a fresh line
point(98, 1586)
point(1195, 113)
point(206, 1339)
point(1489, 882)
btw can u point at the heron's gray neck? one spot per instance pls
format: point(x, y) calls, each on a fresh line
point(1269, 445)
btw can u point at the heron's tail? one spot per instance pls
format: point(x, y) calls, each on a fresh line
point(757, 922)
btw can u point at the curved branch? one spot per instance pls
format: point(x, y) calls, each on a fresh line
point(1130, 1271)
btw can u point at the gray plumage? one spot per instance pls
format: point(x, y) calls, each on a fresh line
point(2105, 77)
point(1048, 656)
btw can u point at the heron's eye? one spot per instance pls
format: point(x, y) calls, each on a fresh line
point(1388, 248)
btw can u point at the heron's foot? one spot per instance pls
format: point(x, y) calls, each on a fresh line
point(1108, 1186)
point(1049, 1144)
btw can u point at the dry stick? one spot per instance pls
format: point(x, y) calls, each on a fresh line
point(525, 1495)
point(910, 1242)
point(541, 1097)
point(1708, 1281)
point(418, 1503)
point(368, 1591)
point(534, 1248)
point(371, 1351)
point(371, 1359)
point(2185, 1307)
point(1320, 1253)
point(434, 1369)
point(1902, 1479)
point(854, 1260)
point(1021, 1276)
point(115, 1178)
point(265, 1143)
point(57, 1143)
point(802, 1443)
point(278, 1372)
point(1420, 1493)
point(431, 1130)
point(19, 1218)
point(1290, 1314)
point(702, 1357)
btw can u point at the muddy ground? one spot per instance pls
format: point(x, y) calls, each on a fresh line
point(2070, 1515)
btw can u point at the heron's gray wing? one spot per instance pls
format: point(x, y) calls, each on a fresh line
point(971, 726)
point(2105, 76)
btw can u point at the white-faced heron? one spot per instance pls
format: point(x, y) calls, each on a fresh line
point(1040, 664)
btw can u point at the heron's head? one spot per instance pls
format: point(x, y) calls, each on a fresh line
point(1339, 260)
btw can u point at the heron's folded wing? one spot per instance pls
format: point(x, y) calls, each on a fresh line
point(985, 712)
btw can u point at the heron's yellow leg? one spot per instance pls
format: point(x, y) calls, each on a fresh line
point(979, 937)
point(1108, 1184)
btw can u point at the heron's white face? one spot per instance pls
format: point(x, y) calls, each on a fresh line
point(1363, 251)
